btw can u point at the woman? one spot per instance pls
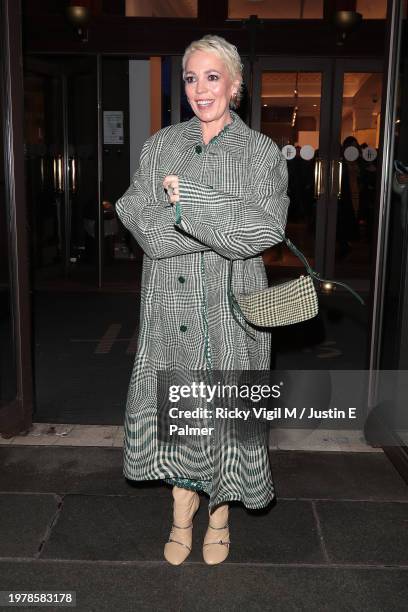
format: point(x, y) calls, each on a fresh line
point(208, 190)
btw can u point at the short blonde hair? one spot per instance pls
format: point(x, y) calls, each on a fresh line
point(227, 52)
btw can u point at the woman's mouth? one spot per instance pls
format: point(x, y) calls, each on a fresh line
point(204, 103)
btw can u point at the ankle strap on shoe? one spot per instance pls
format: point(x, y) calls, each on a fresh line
point(225, 526)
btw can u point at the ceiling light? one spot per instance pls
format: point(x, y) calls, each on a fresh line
point(79, 17)
point(345, 22)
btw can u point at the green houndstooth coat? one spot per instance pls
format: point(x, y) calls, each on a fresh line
point(232, 197)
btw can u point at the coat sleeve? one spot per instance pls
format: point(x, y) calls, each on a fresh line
point(151, 221)
point(233, 226)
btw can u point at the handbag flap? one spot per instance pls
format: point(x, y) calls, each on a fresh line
point(284, 304)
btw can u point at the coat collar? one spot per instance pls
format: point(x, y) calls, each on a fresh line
point(232, 138)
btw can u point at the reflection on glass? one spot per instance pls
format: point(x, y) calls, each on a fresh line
point(291, 9)
point(160, 8)
point(291, 117)
point(358, 156)
point(44, 167)
point(8, 384)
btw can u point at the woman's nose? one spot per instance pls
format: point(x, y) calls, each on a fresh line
point(201, 86)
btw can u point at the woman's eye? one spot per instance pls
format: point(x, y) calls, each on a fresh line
point(213, 75)
point(188, 79)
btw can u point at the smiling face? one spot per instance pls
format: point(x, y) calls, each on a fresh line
point(208, 86)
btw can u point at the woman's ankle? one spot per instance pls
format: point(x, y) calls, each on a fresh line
point(219, 517)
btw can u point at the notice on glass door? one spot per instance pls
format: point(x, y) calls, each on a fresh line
point(113, 127)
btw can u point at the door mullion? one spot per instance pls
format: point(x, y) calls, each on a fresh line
point(334, 135)
point(323, 203)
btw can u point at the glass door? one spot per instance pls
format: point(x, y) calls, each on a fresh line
point(293, 109)
point(61, 144)
point(352, 201)
point(71, 316)
point(325, 114)
point(351, 226)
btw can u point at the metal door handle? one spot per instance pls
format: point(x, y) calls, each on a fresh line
point(318, 178)
point(72, 174)
point(58, 176)
point(336, 176)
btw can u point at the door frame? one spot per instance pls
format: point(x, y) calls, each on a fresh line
point(16, 414)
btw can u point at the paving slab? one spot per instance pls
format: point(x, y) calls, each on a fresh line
point(365, 532)
point(99, 587)
point(136, 528)
point(69, 470)
point(336, 475)
point(293, 589)
point(286, 532)
point(110, 528)
point(297, 474)
point(24, 522)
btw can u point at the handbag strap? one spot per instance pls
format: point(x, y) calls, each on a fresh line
point(234, 306)
point(312, 272)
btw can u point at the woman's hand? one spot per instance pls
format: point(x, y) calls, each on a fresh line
point(171, 184)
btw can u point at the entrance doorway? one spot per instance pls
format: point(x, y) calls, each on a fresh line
point(325, 116)
point(84, 323)
point(309, 112)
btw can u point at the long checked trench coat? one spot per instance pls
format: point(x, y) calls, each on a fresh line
point(232, 197)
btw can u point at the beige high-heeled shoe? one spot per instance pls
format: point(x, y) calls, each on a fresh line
point(216, 551)
point(178, 546)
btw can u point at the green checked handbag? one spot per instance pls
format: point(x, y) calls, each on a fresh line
point(283, 304)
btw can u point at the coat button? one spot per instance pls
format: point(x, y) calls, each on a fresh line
point(181, 279)
point(198, 148)
point(183, 328)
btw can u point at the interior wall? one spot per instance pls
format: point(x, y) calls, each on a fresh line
point(155, 94)
point(115, 97)
point(139, 109)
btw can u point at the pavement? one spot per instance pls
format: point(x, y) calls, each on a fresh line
point(334, 539)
